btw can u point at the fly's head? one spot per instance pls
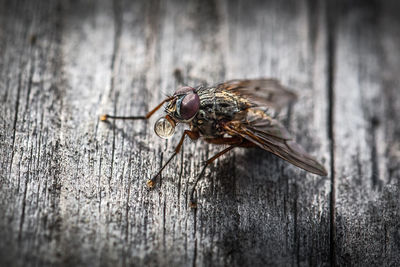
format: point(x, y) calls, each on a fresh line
point(181, 108)
point(184, 106)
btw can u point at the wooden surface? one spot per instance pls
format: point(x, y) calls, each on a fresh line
point(72, 189)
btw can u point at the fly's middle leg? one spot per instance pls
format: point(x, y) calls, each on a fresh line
point(233, 142)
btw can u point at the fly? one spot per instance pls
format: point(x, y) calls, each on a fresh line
point(235, 113)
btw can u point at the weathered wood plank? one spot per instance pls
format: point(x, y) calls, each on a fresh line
point(72, 189)
point(366, 140)
point(291, 223)
point(30, 115)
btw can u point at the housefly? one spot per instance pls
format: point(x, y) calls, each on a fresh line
point(235, 113)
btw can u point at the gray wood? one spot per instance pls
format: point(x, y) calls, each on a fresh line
point(366, 133)
point(72, 189)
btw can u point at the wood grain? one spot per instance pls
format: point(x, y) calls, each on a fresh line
point(73, 191)
point(366, 139)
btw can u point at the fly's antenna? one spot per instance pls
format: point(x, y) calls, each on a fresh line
point(166, 95)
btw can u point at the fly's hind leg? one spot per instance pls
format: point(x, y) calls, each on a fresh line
point(233, 142)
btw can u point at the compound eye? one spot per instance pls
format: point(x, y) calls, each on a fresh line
point(164, 128)
point(184, 90)
point(189, 106)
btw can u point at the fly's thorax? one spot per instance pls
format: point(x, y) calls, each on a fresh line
point(216, 104)
point(215, 107)
point(206, 125)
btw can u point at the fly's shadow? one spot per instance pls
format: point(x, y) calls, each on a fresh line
point(243, 170)
point(138, 139)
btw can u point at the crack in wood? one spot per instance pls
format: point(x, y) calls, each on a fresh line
point(14, 128)
point(375, 179)
point(331, 15)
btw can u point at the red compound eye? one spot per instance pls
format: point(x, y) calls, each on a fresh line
point(184, 90)
point(189, 106)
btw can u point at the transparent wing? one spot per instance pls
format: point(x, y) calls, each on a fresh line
point(267, 133)
point(261, 92)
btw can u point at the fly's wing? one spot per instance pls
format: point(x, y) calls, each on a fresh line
point(261, 92)
point(259, 128)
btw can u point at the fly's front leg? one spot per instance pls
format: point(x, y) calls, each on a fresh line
point(104, 117)
point(192, 135)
